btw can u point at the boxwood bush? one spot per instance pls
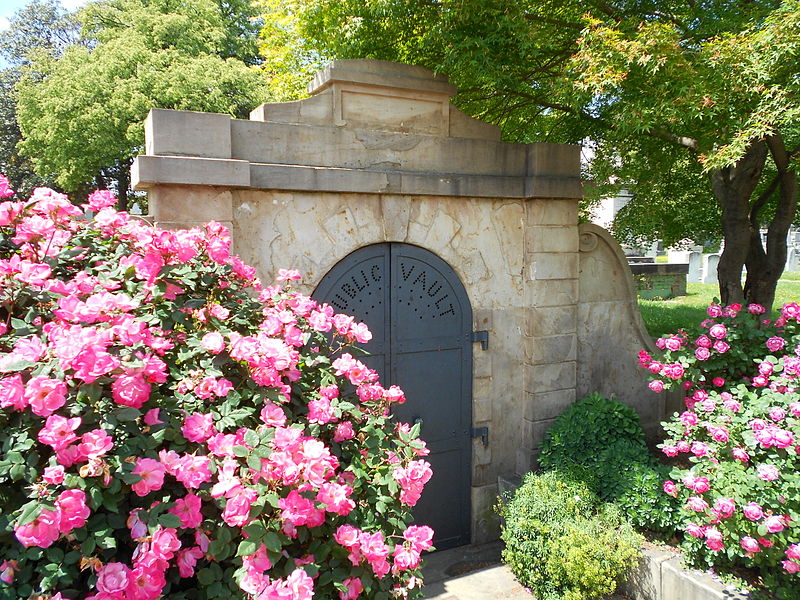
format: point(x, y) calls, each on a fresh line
point(561, 541)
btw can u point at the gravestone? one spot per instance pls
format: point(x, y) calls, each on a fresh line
point(710, 264)
point(791, 260)
point(695, 274)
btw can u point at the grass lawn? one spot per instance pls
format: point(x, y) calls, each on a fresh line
point(667, 316)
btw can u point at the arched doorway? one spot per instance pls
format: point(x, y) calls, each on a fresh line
point(421, 321)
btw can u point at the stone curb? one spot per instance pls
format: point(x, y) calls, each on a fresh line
point(660, 575)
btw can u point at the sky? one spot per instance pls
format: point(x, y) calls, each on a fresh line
point(9, 7)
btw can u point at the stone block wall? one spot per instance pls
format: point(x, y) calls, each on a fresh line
point(378, 154)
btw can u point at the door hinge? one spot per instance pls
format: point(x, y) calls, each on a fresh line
point(481, 432)
point(482, 337)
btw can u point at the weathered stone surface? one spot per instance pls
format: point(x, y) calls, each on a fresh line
point(644, 582)
point(186, 133)
point(679, 583)
point(171, 203)
point(551, 348)
point(148, 171)
point(551, 238)
point(534, 431)
point(551, 320)
point(551, 377)
point(551, 292)
point(485, 522)
point(547, 405)
point(481, 453)
point(481, 410)
point(552, 265)
point(610, 329)
point(552, 212)
point(710, 264)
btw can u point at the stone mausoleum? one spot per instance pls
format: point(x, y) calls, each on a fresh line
point(489, 304)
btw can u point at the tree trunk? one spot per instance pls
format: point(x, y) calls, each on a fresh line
point(733, 186)
point(764, 268)
point(123, 185)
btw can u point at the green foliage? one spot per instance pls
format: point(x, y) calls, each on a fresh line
point(670, 98)
point(591, 432)
point(602, 437)
point(82, 114)
point(552, 526)
point(206, 422)
point(662, 317)
point(592, 555)
point(40, 28)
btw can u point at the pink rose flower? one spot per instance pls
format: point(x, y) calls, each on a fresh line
point(740, 454)
point(724, 507)
point(53, 475)
point(656, 385)
point(775, 343)
point(151, 417)
point(95, 443)
point(344, 431)
point(45, 395)
point(72, 509)
point(214, 342)
point(193, 471)
point(131, 390)
point(670, 488)
point(791, 566)
point(721, 347)
point(750, 545)
point(12, 393)
point(164, 543)
point(41, 532)
point(753, 511)
point(695, 530)
point(59, 432)
point(112, 578)
point(152, 476)
point(718, 331)
point(776, 523)
point(714, 539)
point(702, 353)
point(696, 503)
point(768, 472)
point(198, 427)
point(777, 414)
point(354, 589)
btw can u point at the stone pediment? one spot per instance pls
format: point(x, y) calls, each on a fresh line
point(382, 96)
point(368, 127)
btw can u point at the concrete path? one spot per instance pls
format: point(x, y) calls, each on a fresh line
point(473, 573)
point(470, 573)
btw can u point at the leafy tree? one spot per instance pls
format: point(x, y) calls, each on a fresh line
point(692, 105)
point(81, 113)
point(41, 27)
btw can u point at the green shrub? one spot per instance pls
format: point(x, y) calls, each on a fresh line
point(603, 437)
point(644, 502)
point(550, 526)
point(592, 555)
point(593, 432)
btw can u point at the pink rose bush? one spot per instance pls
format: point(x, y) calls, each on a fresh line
point(172, 428)
point(740, 434)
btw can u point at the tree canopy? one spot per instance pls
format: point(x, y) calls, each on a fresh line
point(690, 105)
point(41, 27)
point(81, 113)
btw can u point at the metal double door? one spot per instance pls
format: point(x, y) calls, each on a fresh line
point(421, 321)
